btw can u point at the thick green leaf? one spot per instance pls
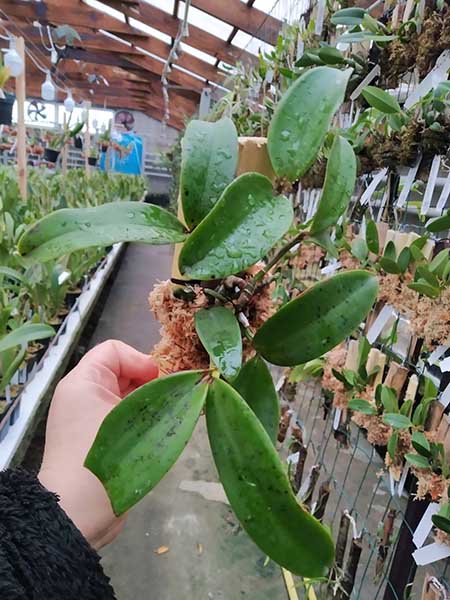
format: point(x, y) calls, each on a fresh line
point(302, 119)
point(258, 489)
point(404, 258)
point(439, 263)
point(318, 320)
point(12, 274)
point(389, 251)
point(392, 445)
point(254, 383)
point(381, 100)
point(348, 16)
point(439, 223)
point(70, 229)
point(360, 249)
point(389, 399)
point(338, 187)
point(423, 287)
point(331, 55)
point(362, 406)
point(25, 334)
point(421, 444)
point(423, 272)
point(390, 266)
point(372, 237)
point(240, 229)
point(209, 161)
point(420, 462)
point(396, 420)
point(441, 522)
point(364, 36)
point(406, 408)
point(220, 334)
point(144, 435)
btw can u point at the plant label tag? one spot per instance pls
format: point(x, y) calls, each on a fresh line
point(444, 365)
point(331, 268)
point(386, 313)
point(391, 484)
point(445, 397)
point(401, 483)
point(63, 277)
point(436, 354)
point(431, 553)
point(407, 185)
point(408, 10)
point(320, 16)
point(428, 195)
point(365, 82)
point(337, 418)
point(367, 195)
point(425, 525)
point(444, 194)
point(434, 78)
point(292, 459)
point(8, 394)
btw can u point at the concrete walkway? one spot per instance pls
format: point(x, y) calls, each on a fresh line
point(209, 556)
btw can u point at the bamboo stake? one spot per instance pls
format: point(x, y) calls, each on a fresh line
point(64, 150)
point(21, 149)
point(396, 377)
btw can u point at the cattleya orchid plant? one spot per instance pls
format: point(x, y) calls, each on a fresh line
point(233, 223)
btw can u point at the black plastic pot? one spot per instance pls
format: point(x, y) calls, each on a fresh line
point(6, 106)
point(71, 297)
point(78, 142)
point(104, 147)
point(92, 160)
point(51, 155)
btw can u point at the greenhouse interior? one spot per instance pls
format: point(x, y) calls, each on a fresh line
point(225, 299)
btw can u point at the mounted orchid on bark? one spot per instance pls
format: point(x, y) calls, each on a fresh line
point(234, 224)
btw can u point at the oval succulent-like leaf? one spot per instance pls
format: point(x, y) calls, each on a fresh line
point(143, 436)
point(302, 119)
point(220, 334)
point(25, 334)
point(257, 487)
point(439, 223)
point(255, 384)
point(389, 265)
point(441, 522)
point(338, 187)
point(423, 287)
point(69, 229)
point(348, 16)
point(396, 420)
point(209, 161)
point(392, 445)
point(363, 406)
point(381, 100)
point(420, 462)
point(240, 229)
point(421, 444)
point(318, 320)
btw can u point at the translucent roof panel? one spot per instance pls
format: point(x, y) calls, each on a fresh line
point(198, 53)
point(249, 43)
point(265, 5)
point(112, 12)
point(165, 5)
point(150, 30)
point(207, 22)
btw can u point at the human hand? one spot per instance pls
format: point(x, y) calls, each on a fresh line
point(82, 399)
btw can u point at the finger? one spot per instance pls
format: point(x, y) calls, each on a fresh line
point(122, 360)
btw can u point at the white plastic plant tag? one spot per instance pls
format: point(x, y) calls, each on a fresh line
point(407, 185)
point(321, 4)
point(8, 394)
point(367, 195)
point(444, 194)
point(445, 397)
point(408, 10)
point(304, 488)
point(433, 79)
point(428, 195)
point(366, 81)
point(444, 365)
point(331, 268)
point(401, 483)
point(386, 313)
point(431, 553)
point(425, 525)
point(391, 484)
point(436, 354)
point(280, 382)
point(292, 459)
point(63, 277)
point(337, 418)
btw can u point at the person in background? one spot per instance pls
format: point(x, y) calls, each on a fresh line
point(52, 525)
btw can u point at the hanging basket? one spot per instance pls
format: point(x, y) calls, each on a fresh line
point(92, 160)
point(78, 142)
point(6, 107)
point(51, 155)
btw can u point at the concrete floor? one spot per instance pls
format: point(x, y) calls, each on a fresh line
point(209, 557)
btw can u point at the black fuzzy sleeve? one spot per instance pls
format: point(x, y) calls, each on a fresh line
point(43, 556)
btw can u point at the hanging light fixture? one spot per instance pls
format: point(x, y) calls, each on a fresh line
point(12, 60)
point(69, 102)
point(48, 90)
